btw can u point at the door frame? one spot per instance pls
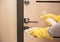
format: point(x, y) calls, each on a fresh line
point(20, 20)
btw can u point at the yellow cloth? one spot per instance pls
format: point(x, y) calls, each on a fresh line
point(54, 17)
point(41, 33)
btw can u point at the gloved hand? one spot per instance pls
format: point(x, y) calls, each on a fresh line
point(40, 33)
point(56, 18)
point(44, 32)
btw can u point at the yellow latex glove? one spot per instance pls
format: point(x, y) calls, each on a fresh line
point(41, 33)
point(54, 17)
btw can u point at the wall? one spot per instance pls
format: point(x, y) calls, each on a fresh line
point(8, 19)
point(34, 11)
